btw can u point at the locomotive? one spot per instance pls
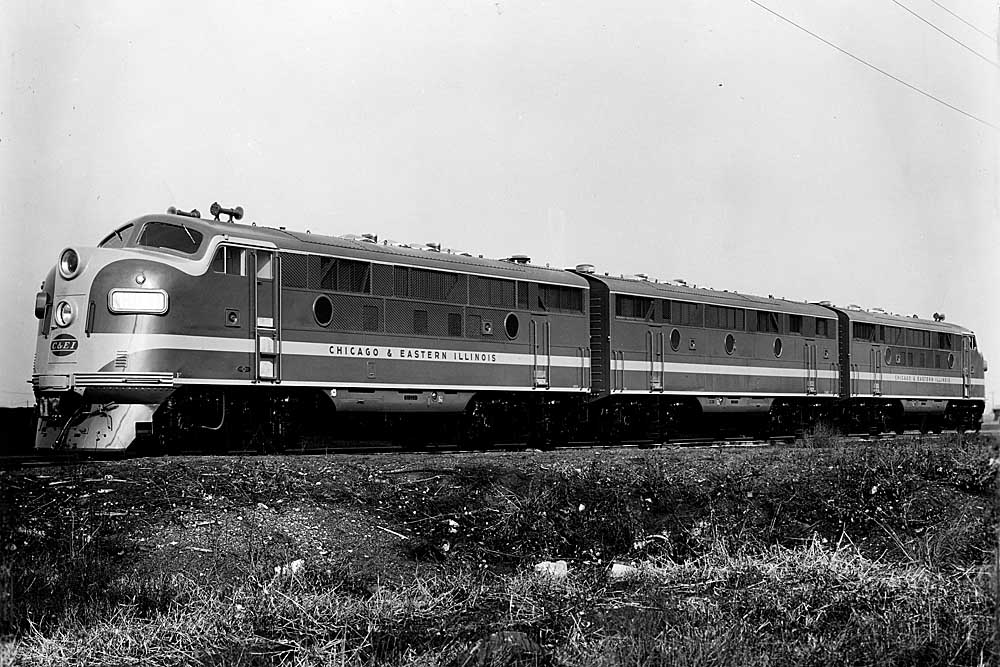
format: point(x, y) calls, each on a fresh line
point(179, 328)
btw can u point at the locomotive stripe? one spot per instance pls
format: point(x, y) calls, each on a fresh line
point(866, 376)
point(717, 369)
point(730, 394)
point(149, 342)
point(398, 353)
point(771, 371)
point(914, 397)
point(380, 385)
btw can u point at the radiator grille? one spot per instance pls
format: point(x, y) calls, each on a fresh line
point(294, 271)
point(356, 313)
point(495, 292)
point(382, 280)
point(432, 319)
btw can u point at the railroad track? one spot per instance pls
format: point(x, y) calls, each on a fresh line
point(383, 447)
point(39, 460)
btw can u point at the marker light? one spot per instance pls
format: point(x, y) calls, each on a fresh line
point(69, 263)
point(63, 314)
point(149, 301)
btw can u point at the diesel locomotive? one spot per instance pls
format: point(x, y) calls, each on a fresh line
point(178, 328)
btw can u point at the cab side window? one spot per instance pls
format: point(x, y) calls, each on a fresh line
point(230, 260)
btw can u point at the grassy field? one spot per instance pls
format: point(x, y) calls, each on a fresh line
point(821, 554)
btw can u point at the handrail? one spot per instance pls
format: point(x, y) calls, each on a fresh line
point(663, 365)
point(253, 320)
point(276, 301)
point(652, 366)
point(621, 368)
point(548, 354)
point(533, 340)
point(805, 362)
point(614, 370)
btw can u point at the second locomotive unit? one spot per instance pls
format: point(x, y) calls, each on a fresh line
point(175, 327)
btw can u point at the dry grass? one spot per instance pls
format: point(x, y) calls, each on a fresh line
point(816, 556)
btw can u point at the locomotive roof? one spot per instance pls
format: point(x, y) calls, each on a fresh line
point(888, 319)
point(342, 247)
point(738, 300)
point(703, 295)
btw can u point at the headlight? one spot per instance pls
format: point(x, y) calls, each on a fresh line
point(63, 314)
point(69, 263)
point(153, 302)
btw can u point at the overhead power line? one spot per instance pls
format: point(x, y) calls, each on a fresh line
point(981, 32)
point(876, 68)
point(954, 39)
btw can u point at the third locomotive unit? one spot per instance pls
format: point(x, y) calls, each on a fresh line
point(176, 327)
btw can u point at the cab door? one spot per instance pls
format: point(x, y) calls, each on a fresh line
point(265, 325)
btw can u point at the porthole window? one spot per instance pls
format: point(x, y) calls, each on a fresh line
point(951, 360)
point(675, 340)
point(730, 344)
point(511, 325)
point(888, 355)
point(777, 347)
point(323, 310)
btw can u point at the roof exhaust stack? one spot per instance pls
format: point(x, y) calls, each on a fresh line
point(939, 317)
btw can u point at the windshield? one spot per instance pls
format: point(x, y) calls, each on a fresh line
point(116, 239)
point(170, 236)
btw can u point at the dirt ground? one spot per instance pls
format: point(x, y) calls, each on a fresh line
point(94, 546)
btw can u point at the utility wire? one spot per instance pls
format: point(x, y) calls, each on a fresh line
point(957, 41)
point(981, 32)
point(878, 69)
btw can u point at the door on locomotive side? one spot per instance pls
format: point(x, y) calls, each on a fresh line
point(539, 340)
point(655, 343)
point(875, 367)
point(966, 367)
point(265, 325)
point(810, 361)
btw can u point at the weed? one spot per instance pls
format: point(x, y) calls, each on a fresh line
point(820, 555)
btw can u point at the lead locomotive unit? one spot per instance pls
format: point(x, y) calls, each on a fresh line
point(179, 325)
point(175, 327)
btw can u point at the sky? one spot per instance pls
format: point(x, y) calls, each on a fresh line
point(713, 142)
